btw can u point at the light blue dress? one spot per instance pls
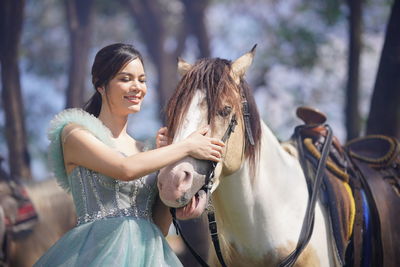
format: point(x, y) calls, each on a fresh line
point(115, 226)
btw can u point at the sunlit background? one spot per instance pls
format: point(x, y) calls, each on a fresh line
point(301, 59)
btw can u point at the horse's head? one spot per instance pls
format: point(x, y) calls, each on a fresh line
point(212, 91)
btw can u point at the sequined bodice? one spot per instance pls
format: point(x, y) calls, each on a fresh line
point(97, 196)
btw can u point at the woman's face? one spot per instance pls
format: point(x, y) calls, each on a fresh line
point(125, 92)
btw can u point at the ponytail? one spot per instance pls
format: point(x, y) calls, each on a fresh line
point(93, 106)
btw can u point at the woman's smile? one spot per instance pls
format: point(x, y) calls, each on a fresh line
point(134, 99)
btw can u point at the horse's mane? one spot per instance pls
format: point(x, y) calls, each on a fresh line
point(212, 76)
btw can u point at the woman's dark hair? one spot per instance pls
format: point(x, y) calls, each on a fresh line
point(108, 61)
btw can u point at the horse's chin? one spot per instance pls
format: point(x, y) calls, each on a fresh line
point(194, 208)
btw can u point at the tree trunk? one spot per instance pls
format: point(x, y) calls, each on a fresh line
point(384, 115)
point(353, 122)
point(195, 19)
point(150, 19)
point(11, 19)
point(79, 16)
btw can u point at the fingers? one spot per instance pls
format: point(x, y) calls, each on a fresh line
point(216, 153)
point(218, 149)
point(217, 142)
point(163, 131)
point(162, 137)
point(215, 159)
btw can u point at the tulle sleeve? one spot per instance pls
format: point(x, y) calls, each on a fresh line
point(55, 153)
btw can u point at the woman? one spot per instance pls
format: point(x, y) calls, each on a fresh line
point(110, 176)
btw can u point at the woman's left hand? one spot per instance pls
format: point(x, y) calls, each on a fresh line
point(162, 137)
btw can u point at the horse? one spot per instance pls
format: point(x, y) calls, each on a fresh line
point(56, 215)
point(273, 200)
point(259, 192)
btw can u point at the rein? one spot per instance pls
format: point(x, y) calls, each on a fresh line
point(308, 221)
point(208, 184)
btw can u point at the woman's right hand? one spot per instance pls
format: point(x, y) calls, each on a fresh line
point(203, 147)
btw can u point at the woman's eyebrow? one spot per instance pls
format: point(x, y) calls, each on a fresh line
point(130, 74)
point(124, 73)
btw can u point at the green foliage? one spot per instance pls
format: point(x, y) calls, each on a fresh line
point(45, 40)
point(298, 45)
point(109, 8)
point(331, 12)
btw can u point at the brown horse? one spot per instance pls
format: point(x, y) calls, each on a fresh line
point(56, 216)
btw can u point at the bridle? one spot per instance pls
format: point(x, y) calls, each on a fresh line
point(209, 181)
point(208, 184)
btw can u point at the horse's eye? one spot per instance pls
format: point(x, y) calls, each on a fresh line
point(225, 111)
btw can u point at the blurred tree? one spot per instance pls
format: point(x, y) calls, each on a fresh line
point(165, 43)
point(384, 115)
point(352, 113)
point(11, 19)
point(79, 17)
point(194, 19)
point(151, 21)
point(44, 47)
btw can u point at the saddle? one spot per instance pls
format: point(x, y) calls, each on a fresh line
point(376, 159)
point(20, 219)
point(361, 190)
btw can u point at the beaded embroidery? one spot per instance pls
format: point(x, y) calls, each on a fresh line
point(132, 212)
point(108, 201)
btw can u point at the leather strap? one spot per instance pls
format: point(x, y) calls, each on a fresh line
point(212, 225)
point(308, 222)
point(246, 117)
point(179, 231)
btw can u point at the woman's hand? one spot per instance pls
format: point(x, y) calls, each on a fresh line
point(203, 147)
point(162, 137)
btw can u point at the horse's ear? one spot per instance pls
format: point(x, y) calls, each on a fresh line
point(183, 66)
point(240, 65)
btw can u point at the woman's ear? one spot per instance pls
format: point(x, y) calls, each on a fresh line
point(101, 90)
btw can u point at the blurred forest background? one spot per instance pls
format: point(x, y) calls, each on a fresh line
point(342, 57)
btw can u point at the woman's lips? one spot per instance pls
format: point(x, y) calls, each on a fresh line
point(133, 99)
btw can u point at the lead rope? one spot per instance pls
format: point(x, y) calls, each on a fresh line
point(179, 231)
point(308, 222)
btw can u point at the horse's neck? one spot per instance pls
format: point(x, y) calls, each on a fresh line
point(53, 204)
point(251, 209)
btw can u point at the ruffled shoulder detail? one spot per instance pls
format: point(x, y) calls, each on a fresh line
point(57, 124)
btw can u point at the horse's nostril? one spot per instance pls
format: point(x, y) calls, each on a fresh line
point(188, 176)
